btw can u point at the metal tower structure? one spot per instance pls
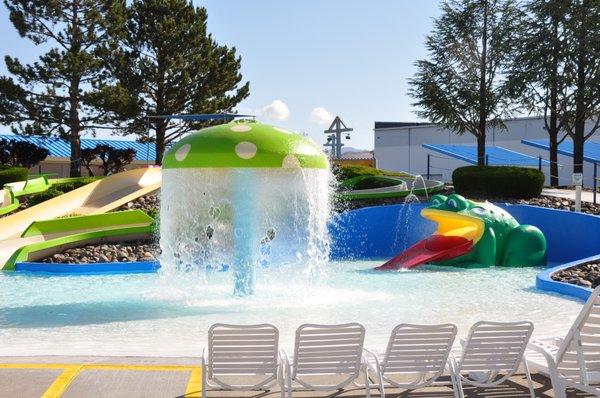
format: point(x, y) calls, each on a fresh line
point(334, 137)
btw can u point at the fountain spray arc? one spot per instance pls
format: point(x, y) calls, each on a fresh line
point(231, 190)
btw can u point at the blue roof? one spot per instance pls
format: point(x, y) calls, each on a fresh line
point(591, 149)
point(496, 156)
point(61, 149)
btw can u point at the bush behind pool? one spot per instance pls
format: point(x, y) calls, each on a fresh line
point(498, 181)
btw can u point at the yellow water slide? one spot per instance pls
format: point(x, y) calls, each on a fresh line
point(97, 197)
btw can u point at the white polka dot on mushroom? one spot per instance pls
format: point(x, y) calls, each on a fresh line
point(284, 131)
point(241, 128)
point(182, 152)
point(245, 150)
point(290, 162)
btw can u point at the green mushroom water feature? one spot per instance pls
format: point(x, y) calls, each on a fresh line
point(243, 195)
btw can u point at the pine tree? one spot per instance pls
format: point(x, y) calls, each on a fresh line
point(174, 66)
point(64, 93)
point(460, 85)
point(538, 67)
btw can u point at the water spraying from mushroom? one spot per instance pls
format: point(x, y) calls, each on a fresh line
point(242, 195)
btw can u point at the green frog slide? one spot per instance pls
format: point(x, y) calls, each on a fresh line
point(473, 234)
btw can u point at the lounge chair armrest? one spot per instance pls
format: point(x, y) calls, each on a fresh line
point(370, 353)
point(375, 366)
point(543, 349)
point(451, 363)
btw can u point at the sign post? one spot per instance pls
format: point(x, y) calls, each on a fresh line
point(578, 182)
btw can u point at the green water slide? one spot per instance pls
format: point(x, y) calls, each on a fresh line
point(43, 238)
point(30, 186)
point(383, 186)
point(9, 201)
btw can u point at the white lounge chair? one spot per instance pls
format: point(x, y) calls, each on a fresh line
point(326, 352)
point(491, 354)
point(415, 357)
point(573, 362)
point(247, 354)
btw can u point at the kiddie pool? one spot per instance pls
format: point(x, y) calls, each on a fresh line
point(168, 313)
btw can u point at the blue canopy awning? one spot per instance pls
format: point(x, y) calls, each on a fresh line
point(591, 149)
point(495, 155)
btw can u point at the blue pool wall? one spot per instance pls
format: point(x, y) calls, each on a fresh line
point(384, 231)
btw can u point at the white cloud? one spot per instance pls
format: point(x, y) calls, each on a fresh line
point(320, 115)
point(276, 110)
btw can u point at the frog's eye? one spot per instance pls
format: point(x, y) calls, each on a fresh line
point(437, 200)
point(456, 202)
point(479, 210)
point(453, 204)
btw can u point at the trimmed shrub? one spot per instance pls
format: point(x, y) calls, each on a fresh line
point(346, 172)
point(498, 182)
point(12, 174)
point(368, 182)
point(71, 185)
point(43, 196)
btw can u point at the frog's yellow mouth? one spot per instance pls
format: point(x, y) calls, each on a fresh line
point(450, 223)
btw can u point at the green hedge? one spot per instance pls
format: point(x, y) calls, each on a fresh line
point(347, 172)
point(12, 174)
point(498, 182)
point(43, 196)
point(71, 185)
point(368, 182)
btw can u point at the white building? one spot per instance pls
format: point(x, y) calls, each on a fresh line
point(398, 147)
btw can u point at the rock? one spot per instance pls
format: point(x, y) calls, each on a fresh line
point(115, 252)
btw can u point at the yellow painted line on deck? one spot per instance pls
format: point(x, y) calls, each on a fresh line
point(70, 372)
point(194, 386)
point(61, 383)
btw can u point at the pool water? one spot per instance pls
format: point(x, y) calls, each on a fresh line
point(168, 314)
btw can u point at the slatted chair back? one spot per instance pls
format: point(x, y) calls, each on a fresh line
point(495, 347)
point(578, 356)
point(242, 350)
point(328, 350)
point(421, 350)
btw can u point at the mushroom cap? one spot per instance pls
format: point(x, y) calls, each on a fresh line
point(244, 143)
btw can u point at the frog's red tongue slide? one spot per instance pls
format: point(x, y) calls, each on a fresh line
point(433, 248)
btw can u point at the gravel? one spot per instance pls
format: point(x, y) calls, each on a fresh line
point(146, 250)
point(148, 203)
point(586, 275)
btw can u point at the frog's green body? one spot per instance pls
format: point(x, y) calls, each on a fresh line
point(498, 239)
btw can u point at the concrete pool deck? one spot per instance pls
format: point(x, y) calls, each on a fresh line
point(150, 377)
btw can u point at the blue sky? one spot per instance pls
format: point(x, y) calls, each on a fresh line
point(312, 58)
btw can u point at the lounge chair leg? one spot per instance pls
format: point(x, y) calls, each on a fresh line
point(367, 383)
point(529, 381)
point(203, 382)
point(454, 386)
point(459, 389)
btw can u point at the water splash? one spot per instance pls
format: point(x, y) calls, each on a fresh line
point(403, 224)
point(217, 219)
